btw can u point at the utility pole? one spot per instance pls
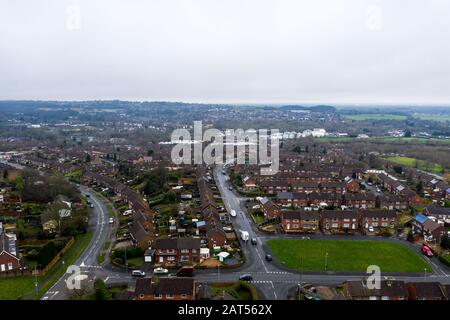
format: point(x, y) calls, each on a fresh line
point(35, 280)
point(126, 261)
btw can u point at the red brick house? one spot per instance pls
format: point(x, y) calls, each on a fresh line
point(389, 290)
point(378, 219)
point(340, 220)
point(425, 291)
point(9, 261)
point(269, 208)
point(176, 251)
point(164, 289)
point(249, 183)
point(300, 221)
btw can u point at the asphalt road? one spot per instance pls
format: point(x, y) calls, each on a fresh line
point(87, 261)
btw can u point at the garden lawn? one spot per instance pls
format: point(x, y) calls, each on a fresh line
point(346, 255)
point(15, 288)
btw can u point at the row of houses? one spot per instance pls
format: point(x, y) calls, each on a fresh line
point(340, 187)
point(213, 227)
point(142, 228)
point(364, 200)
point(187, 289)
point(394, 186)
point(395, 290)
point(337, 221)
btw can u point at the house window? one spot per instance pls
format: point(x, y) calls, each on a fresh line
point(158, 296)
point(171, 258)
point(141, 296)
point(183, 296)
point(10, 266)
point(169, 296)
point(184, 258)
point(194, 250)
point(184, 250)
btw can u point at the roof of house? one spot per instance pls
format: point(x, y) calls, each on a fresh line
point(301, 215)
point(339, 214)
point(388, 288)
point(437, 211)
point(426, 289)
point(379, 214)
point(420, 218)
point(164, 286)
point(178, 243)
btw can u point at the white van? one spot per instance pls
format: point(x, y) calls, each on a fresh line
point(244, 235)
point(233, 213)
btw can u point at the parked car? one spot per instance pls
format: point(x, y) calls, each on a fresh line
point(186, 271)
point(233, 213)
point(371, 229)
point(160, 271)
point(138, 273)
point(427, 251)
point(246, 277)
point(111, 220)
point(254, 241)
point(91, 206)
point(269, 257)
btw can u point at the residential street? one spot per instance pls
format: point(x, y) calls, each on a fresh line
point(272, 279)
point(98, 224)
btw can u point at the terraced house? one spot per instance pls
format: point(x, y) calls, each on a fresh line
point(177, 251)
point(300, 221)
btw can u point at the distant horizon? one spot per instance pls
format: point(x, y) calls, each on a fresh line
point(275, 104)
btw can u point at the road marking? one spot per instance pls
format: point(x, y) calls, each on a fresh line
point(274, 293)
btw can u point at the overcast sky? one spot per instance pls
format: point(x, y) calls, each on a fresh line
point(395, 51)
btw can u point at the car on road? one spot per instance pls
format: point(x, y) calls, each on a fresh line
point(138, 273)
point(427, 251)
point(160, 271)
point(244, 235)
point(246, 277)
point(378, 189)
point(91, 206)
point(269, 257)
point(254, 241)
point(186, 271)
point(230, 188)
point(233, 213)
point(111, 220)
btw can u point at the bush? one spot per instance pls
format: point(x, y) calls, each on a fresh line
point(101, 291)
point(118, 255)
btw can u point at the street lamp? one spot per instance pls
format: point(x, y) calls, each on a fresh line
point(425, 274)
point(326, 261)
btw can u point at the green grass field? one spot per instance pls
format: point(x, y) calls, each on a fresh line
point(346, 255)
point(373, 117)
point(411, 162)
point(432, 117)
point(15, 288)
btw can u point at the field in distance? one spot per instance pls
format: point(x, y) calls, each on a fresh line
point(346, 255)
point(412, 162)
point(374, 117)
